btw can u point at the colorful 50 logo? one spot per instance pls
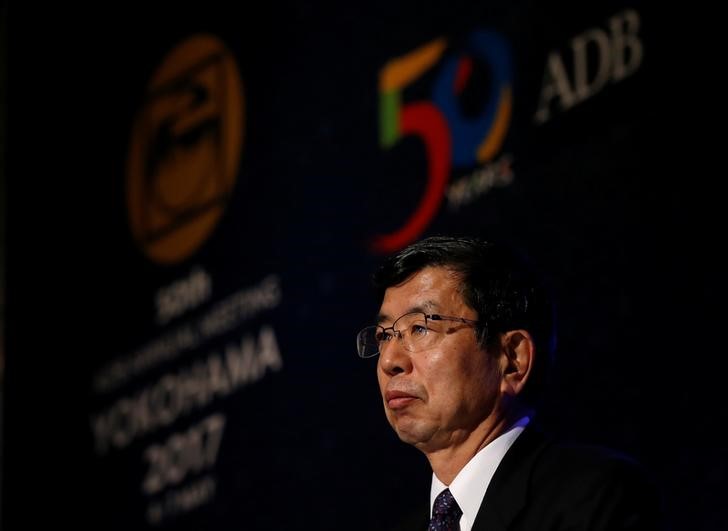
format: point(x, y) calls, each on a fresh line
point(451, 139)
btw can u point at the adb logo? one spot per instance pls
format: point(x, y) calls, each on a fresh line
point(185, 149)
point(475, 75)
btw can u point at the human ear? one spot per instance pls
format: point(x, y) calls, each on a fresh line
point(519, 354)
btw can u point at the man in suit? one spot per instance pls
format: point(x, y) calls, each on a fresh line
point(464, 337)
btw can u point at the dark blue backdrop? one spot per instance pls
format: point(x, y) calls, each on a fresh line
point(606, 196)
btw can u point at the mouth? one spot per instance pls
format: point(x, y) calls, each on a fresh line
point(398, 399)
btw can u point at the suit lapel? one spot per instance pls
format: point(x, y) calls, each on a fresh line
point(507, 493)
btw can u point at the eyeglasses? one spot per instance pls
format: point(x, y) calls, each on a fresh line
point(416, 331)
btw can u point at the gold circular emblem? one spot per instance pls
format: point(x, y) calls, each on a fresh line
point(185, 149)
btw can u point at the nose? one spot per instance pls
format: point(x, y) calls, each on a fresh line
point(394, 359)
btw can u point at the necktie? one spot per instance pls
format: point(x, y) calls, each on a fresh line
point(445, 513)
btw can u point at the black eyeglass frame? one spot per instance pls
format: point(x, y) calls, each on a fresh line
point(398, 333)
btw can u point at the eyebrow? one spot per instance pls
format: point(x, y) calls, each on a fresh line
point(425, 307)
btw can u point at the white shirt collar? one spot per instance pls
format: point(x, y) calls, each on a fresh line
point(469, 486)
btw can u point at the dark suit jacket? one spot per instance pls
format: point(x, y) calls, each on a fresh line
point(542, 485)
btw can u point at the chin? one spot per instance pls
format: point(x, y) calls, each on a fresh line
point(411, 432)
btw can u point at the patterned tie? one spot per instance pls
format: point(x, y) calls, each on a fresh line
point(445, 513)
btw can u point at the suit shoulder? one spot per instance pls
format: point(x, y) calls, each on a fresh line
point(574, 459)
point(599, 486)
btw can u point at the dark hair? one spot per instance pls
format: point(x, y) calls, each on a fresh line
point(495, 282)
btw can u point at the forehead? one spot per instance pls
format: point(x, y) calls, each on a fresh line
point(432, 289)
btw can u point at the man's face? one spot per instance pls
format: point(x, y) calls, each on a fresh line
point(437, 397)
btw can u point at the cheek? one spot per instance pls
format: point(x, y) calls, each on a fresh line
point(444, 375)
point(484, 370)
point(462, 377)
point(484, 385)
